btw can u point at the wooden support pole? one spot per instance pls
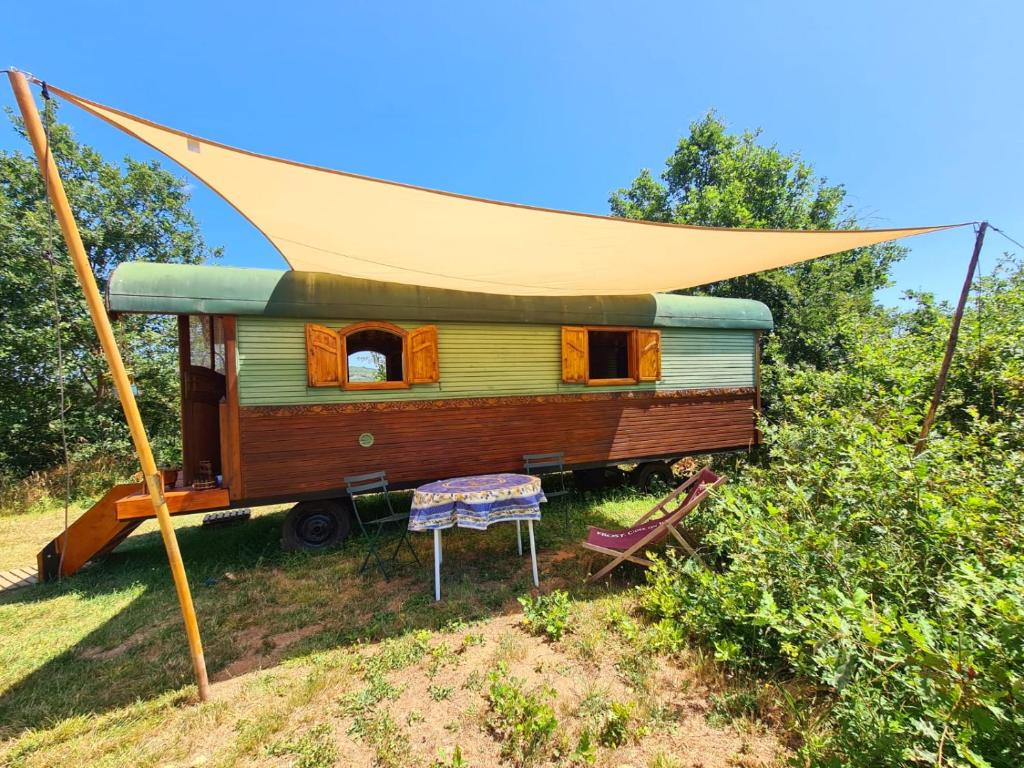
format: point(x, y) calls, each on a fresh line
point(954, 332)
point(154, 480)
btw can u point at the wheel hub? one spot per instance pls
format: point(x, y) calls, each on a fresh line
point(317, 528)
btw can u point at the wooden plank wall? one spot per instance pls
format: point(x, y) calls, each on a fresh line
point(481, 360)
point(290, 450)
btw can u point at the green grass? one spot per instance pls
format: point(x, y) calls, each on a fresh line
point(304, 652)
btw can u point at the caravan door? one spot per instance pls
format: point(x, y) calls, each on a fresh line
point(202, 364)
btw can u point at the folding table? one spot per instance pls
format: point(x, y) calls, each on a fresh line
point(476, 502)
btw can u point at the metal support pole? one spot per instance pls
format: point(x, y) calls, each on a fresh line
point(954, 332)
point(533, 553)
point(154, 481)
point(437, 564)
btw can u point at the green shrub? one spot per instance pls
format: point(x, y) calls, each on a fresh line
point(387, 739)
point(585, 752)
point(730, 706)
point(547, 614)
point(615, 730)
point(524, 721)
point(314, 749)
point(456, 760)
point(440, 692)
point(896, 583)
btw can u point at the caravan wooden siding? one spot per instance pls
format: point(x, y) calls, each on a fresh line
point(482, 360)
point(292, 449)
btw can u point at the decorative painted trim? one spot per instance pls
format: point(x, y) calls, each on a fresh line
point(259, 411)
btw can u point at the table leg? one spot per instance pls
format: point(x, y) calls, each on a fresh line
point(533, 554)
point(519, 538)
point(437, 564)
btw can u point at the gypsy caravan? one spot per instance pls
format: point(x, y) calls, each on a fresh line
point(291, 381)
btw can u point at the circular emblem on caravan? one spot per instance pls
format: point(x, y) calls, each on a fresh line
point(366, 439)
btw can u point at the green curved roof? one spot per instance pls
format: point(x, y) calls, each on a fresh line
point(186, 289)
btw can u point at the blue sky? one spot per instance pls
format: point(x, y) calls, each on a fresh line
point(916, 107)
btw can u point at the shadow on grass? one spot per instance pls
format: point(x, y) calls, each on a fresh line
point(112, 635)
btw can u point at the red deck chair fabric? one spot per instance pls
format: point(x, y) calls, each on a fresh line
point(624, 544)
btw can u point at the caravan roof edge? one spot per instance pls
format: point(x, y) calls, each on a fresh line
point(148, 288)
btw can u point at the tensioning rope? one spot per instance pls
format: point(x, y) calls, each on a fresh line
point(997, 229)
point(58, 321)
point(1019, 245)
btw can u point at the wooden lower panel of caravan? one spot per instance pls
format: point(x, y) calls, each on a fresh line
point(290, 450)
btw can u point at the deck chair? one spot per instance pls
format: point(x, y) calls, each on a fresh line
point(543, 464)
point(377, 482)
point(627, 544)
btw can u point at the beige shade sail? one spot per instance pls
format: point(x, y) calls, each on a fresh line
point(341, 223)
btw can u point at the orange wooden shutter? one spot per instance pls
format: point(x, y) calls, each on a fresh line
point(574, 355)
point(323, 356)
point(423, 366)
point(648, 354)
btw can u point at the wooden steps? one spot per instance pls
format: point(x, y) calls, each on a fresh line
point(95, 533)
point(109, 521)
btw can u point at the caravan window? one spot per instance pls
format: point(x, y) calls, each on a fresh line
point(374, 355)
point(371, 355)
point(603, 356)
point(206, 342)
point(609, 356)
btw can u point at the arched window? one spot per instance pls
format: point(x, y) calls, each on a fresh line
point(374, 356)
point(371, 355)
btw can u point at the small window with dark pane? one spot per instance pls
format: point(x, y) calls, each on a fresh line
point(608, 355)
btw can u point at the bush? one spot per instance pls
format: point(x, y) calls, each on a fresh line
point(895, 583)
point(40, 491)
point(523, 720)
point(615, 730)
point(314, 749)
point(547, 614)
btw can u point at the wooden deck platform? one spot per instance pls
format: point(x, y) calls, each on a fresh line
point(180, 502)
point(17, 578)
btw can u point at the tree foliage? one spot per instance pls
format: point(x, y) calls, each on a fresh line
point(125, 212)
point(716, 178)
point(894, 584)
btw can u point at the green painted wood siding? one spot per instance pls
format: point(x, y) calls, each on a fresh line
point(482, 360)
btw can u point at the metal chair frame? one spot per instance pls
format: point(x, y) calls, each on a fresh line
point(543, 464)
point(377, 482)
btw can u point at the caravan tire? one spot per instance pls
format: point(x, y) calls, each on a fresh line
point(317, 524)
point(653, 477)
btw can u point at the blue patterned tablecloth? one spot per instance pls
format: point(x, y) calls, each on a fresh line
point(476, 502)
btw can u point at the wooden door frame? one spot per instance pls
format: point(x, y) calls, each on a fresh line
point(230, 445)
point(189, 450)
point(184, 362)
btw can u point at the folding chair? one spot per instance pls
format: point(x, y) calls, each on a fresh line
point(542, 464)
point(626, 544)
point(377, 482)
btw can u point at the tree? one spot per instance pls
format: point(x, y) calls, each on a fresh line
point(715, 178)
point(125, 212)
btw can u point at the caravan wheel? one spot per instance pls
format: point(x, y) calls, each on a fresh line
point(653, 477)
point(316, 524)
